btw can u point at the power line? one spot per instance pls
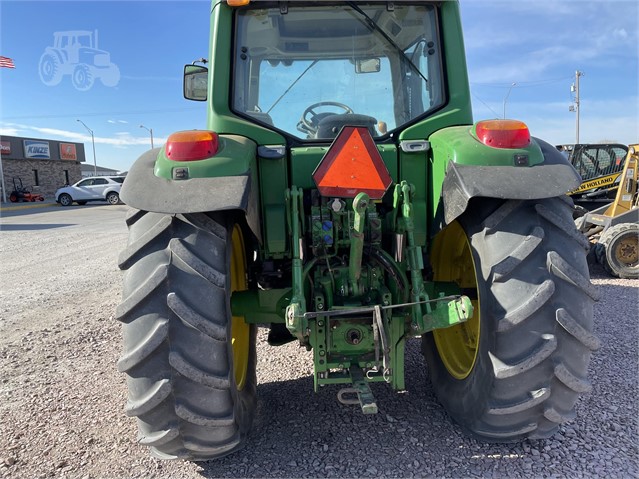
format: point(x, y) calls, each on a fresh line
point(523, 83)
point(485, 104)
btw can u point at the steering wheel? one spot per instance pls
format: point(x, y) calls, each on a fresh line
point(311, 118)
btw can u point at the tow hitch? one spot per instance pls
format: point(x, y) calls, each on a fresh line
point(334, 365)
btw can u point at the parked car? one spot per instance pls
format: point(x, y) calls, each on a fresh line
point(96, 188)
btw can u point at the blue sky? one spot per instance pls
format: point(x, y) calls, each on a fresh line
point(536, 45)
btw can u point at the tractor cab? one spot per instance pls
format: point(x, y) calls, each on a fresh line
point(308, 72)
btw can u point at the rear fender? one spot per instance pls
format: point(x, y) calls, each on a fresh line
point(471, 169)
point(143, 190)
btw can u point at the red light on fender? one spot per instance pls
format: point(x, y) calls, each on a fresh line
point(192, 145)
point(503, 133)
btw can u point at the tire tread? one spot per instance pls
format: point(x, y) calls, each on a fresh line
point(536, 296)
point(176, 318)
point(153, 397)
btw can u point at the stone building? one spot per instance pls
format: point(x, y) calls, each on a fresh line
point(42, 165)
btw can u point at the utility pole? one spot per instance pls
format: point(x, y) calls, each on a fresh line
point(506, 97)
point(150, 130)
point(577, 106)
point(95, 165)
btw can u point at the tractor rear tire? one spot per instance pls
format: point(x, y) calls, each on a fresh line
point(517, 367)
point(618, 250)
point(190, 365)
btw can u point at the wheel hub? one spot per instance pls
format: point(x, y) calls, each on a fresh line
point(627, 251)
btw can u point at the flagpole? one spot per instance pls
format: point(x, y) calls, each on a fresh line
point(5, 62)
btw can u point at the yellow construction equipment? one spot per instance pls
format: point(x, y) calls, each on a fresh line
point(614, 228)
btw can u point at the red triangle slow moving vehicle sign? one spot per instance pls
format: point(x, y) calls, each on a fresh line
point(352, 165)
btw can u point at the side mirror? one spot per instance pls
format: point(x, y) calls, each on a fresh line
point(195, 82)
point(367, 65)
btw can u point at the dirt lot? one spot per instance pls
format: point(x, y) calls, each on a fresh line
point(61, 398)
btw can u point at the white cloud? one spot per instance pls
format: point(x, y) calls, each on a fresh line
point(122, 139)
point(620, 33)
point(549, 36)
point(9, 131)
point(476, 38)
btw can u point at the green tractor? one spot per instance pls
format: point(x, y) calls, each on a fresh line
point(342, 197)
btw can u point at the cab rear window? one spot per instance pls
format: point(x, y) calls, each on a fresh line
point(308, 71)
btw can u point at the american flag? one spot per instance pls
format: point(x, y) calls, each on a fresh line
point(6, 62)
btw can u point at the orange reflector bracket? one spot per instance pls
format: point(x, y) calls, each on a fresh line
point(352, 165)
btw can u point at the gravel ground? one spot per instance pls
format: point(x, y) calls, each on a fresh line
point(61, 399)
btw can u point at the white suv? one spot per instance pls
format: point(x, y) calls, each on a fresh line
point(96, 188)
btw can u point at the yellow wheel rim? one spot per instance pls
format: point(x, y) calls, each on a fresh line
point(240, 331)
point(453, 261)
point(626, 251)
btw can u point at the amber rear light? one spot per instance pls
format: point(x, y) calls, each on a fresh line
point(503, 133)
point(192, 145)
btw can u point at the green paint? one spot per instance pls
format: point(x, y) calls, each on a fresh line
point(413, 167)
point(273, 184)
point(220, 117)
point(402, 202)
point(460, 145)
point(295, 321)
point(457, 110)
point(448, 313)
point(235, 156)
point(261, 306)
point(364, 393)
point(360, 204)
